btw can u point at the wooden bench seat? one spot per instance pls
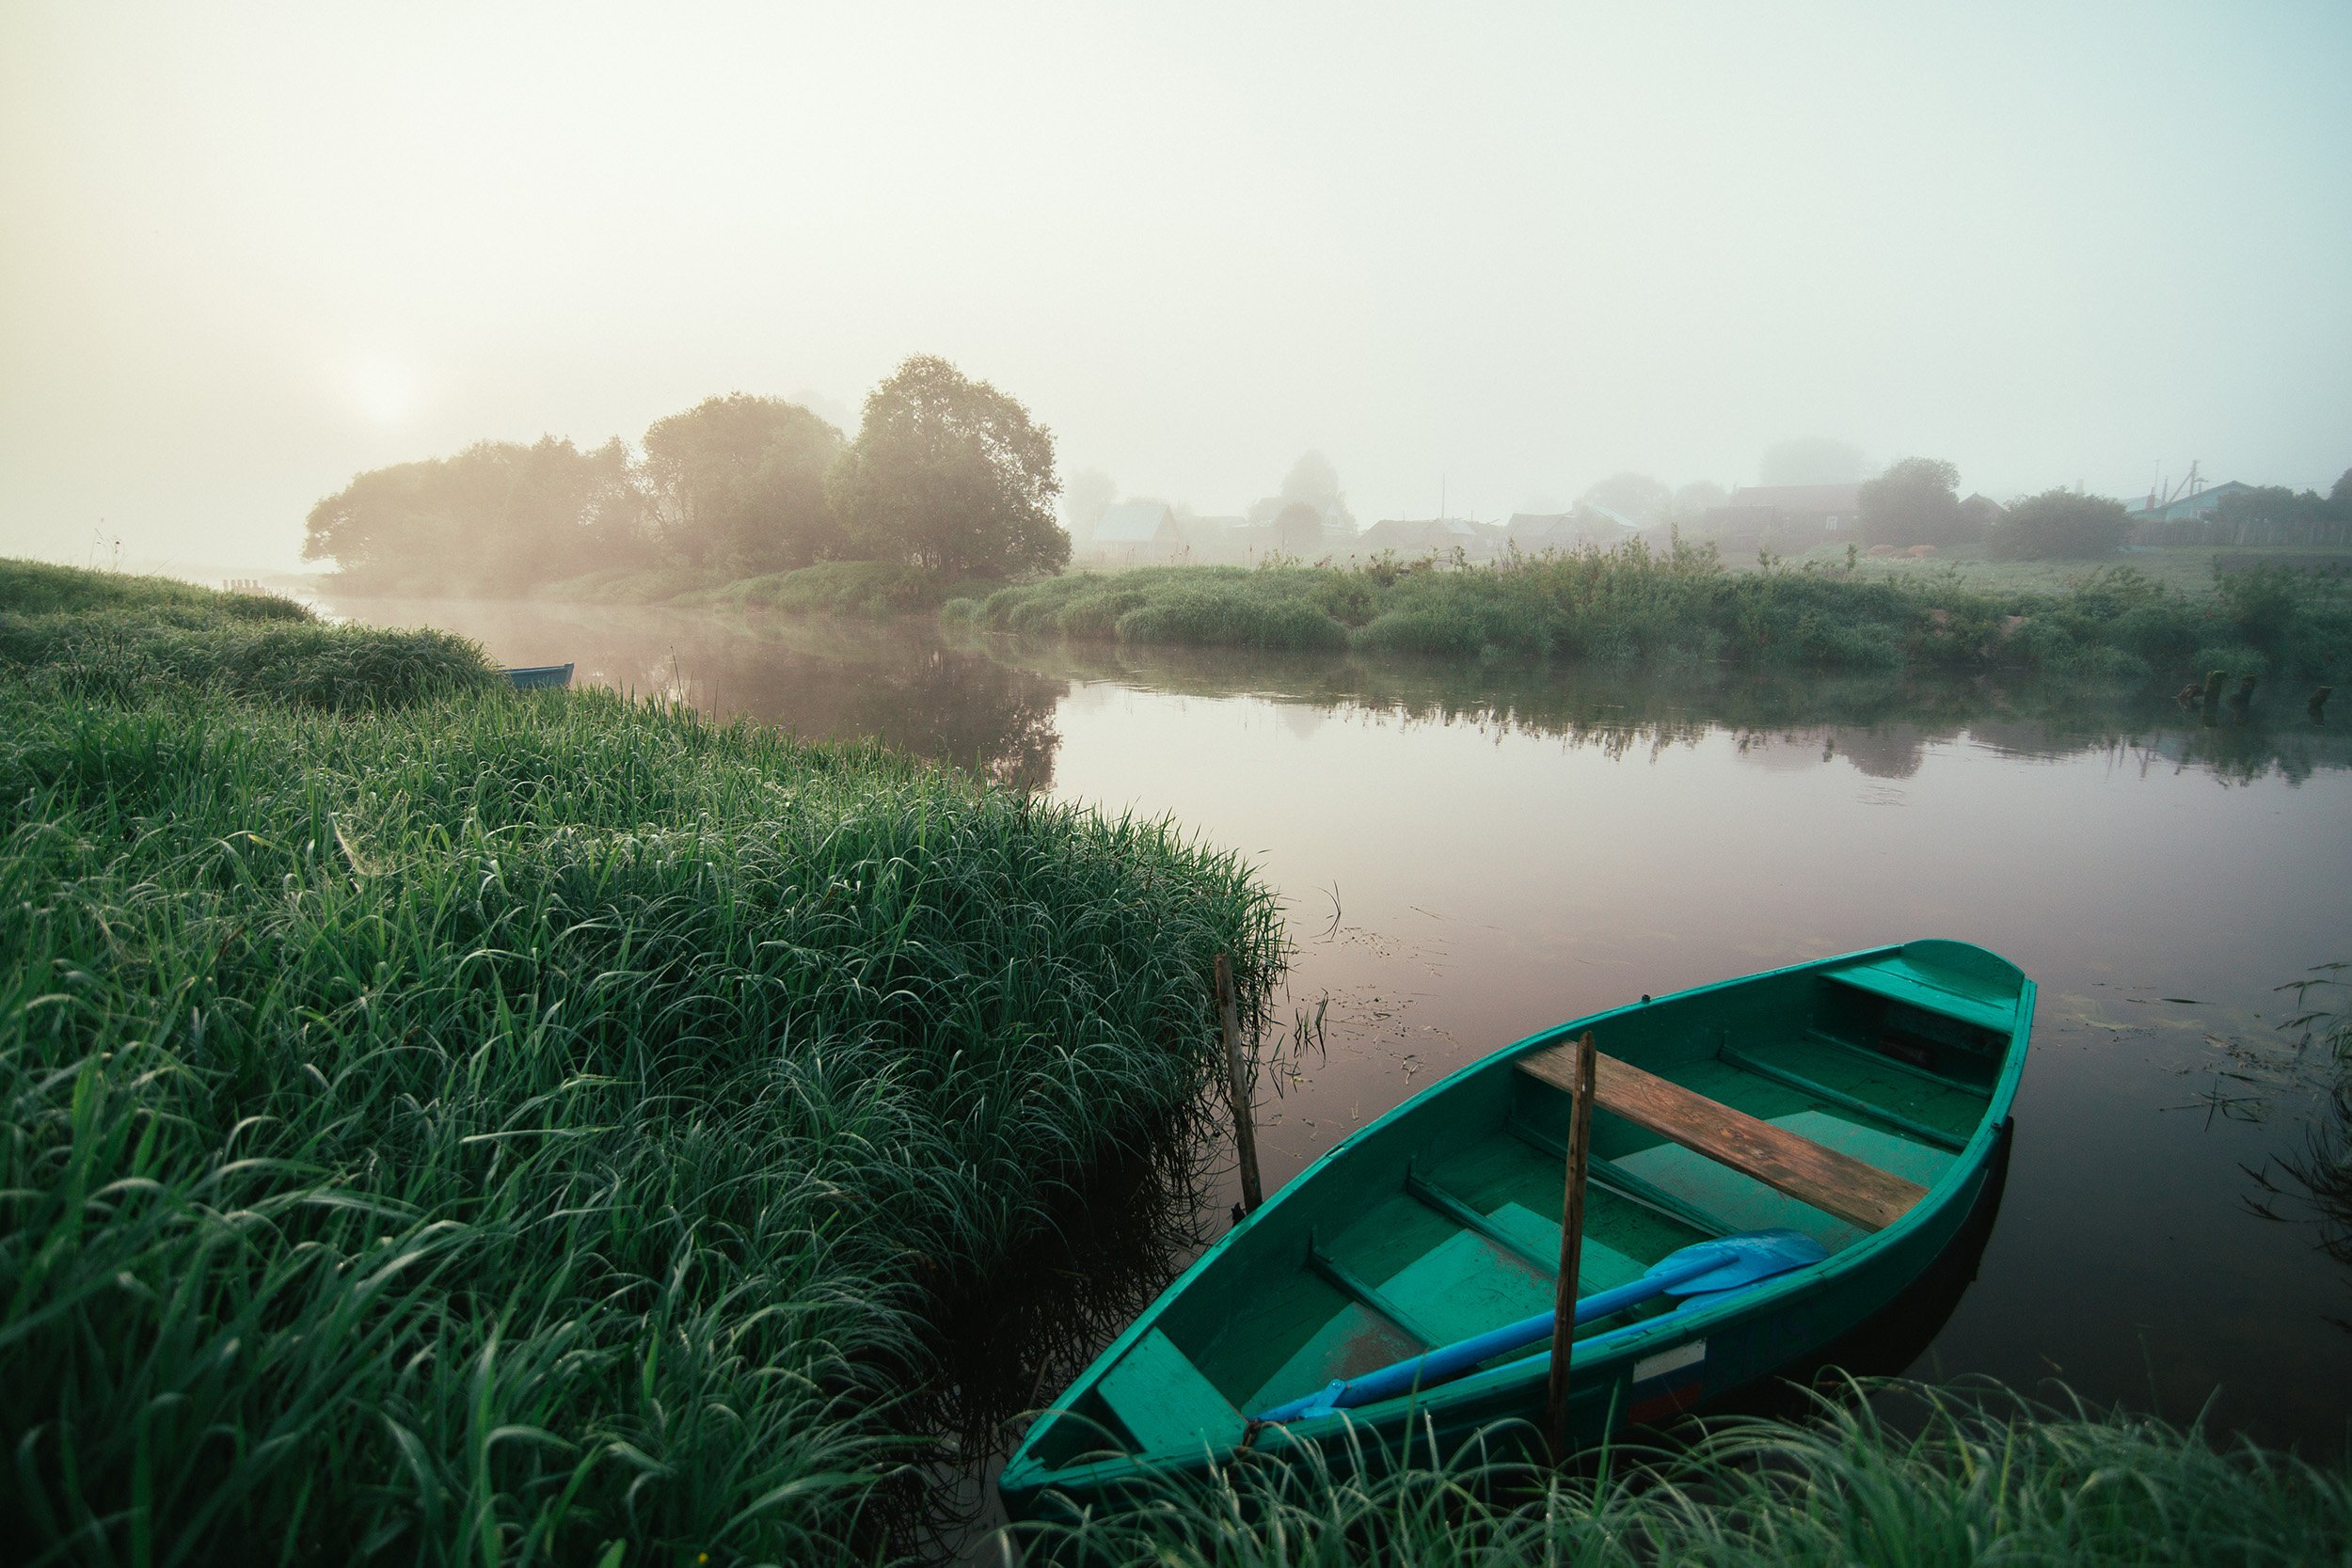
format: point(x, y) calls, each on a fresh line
point(1812, 1174)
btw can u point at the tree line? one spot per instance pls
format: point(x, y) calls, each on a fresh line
point(1916, 501)
point(945, 473)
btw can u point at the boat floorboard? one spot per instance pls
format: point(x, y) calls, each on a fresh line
point(1748, 1204)
point(1502, 1169)
point(1850, 1070)
point(1299, 1333)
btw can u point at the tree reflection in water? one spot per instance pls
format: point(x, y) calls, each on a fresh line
point(986, 704)
point(890, 681)
point(1882, 724)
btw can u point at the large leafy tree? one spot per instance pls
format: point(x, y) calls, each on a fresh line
point(2060, 525)
point(1298, 528)
point(951, 474)
point(497, 517)
point(1314, 484)
point(1916, 501)
point(738, 482)
point(1637, 498)
point(2275, 515)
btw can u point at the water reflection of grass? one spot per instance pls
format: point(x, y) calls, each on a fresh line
point(2322, 1170)
point(1882, 724)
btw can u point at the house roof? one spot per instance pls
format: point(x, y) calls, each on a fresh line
point(1134, 523)
point(1434, 531)
point(2196, 505)
point(1587, 524)
point(1798, 498)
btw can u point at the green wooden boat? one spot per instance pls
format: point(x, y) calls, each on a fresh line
point(539, 677)
point(1858, 1102)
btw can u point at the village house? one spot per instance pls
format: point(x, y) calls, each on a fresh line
point(1136, 532)
point(1782, 518)
point(1419, 536)
point(1534, 532)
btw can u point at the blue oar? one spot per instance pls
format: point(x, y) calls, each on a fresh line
point(1701, 1269)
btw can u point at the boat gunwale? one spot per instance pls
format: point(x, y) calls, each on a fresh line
point(1629, 1343)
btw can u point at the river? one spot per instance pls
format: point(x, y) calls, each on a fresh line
point(1467, 855)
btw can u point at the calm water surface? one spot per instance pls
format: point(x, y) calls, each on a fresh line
point(1469, 855)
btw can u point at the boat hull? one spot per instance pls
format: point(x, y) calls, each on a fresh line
point(1635, 1374)
point(539, 677)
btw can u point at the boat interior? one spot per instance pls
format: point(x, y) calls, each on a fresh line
point(1826, 1101)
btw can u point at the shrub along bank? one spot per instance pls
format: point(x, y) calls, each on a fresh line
point(1636, 607)
point(525, 1128)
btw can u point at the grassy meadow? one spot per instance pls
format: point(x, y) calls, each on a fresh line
point(466, 1126)
point(2189, 569)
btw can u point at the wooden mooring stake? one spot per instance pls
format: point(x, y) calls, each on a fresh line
point(1237, 1087)
point(1571, 1251)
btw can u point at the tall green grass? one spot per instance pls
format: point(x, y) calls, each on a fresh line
point(1633, 606)
point(1977, 1475)
point(91, 636)
point(535, 1129)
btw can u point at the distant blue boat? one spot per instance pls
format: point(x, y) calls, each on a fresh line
point(536, 677)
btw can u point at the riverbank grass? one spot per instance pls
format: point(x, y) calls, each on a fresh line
point(2189, 569)
point(1681, 608)
point(463, 1125)
point(1964, 1476)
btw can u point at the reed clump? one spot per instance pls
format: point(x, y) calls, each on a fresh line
point(1955, 1476)
point(477, 1125)
point(1636, 607)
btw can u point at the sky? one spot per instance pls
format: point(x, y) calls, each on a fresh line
point(249, 251)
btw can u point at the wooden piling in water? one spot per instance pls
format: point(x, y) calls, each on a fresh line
point(1237, 1087)
point(2212, 706)
point(1571, 1252)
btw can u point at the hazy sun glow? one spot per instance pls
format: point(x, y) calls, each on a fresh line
point(381, 391)
point(1505, 249)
